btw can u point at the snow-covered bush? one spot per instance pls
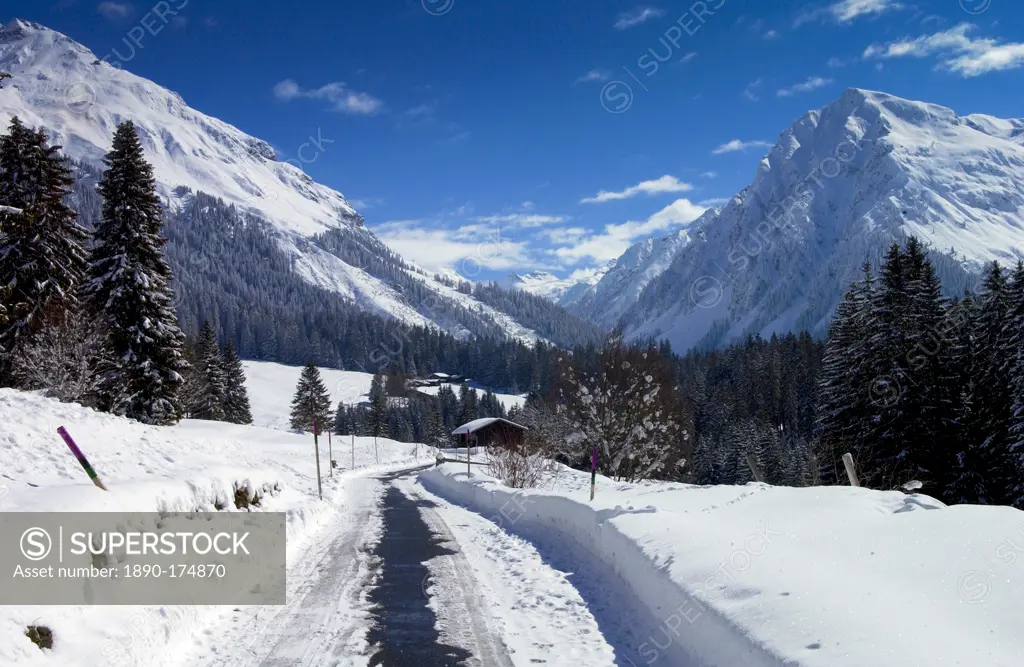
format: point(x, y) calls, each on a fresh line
point(630, 411)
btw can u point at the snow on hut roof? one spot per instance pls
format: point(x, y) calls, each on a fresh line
point(477, 424)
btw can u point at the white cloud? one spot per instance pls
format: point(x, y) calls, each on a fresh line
point(116, 10)
point(436, 249)
point(750, 92)
point(714, 201)
point(425, 110)
point(593, 75)
point(957, 50)
point(637, 17)
point(812, 83)
point(771, 34)
point(663, 185)
point(525, 220)
point(847, 11)
point(563, 235)
point(688, 57)
point(736, 146)
point(363, 204)
point(616, 239)
point(340, 97)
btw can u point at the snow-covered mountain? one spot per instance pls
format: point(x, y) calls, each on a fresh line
point(841, 184)
point(62, 86)
point(620, 286)
point(549, 286)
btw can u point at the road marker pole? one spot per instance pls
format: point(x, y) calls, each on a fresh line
point(82, 461)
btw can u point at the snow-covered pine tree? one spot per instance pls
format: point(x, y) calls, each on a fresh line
point(437, 436)
point(993, 403)
point(378, 417)
point(236, 397)
point(449, 403)
point(42, 255)
point(129, 289)
point(211, 383)
point(883, 452)
point(929, 396)
point(843, 389)
point(311, 403)
point(966, 481)
point(469, 405)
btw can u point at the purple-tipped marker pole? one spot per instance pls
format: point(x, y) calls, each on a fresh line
point(84, 462)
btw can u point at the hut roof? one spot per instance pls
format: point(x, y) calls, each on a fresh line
point(477, 424)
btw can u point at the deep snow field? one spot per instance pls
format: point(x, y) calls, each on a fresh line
point(759, 575)
point(647, 574)
point(191, 466)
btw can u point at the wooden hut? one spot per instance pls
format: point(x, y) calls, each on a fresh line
point(490, 432)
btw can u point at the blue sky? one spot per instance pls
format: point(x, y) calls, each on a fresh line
point(493, 136)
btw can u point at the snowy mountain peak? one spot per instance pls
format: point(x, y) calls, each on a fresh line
point(61, 85)
point(549, 286)
point(841, 183)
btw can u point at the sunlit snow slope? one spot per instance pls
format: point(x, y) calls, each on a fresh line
point(62, 86)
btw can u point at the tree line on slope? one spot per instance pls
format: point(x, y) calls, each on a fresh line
point(548, 320)
point(232, 271)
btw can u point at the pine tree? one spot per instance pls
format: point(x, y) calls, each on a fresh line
point(129, 289)
point(844, 409)
point(994, 406)
point(966, 480)
point(436, 435)
point(449, 404)
point(886, 432)
point(212, 383)
point(236, 398)
point(42, 257)
point(929, 399)
point(344, 423)
point(469, 405)
point(311, 403)
point(378, 407)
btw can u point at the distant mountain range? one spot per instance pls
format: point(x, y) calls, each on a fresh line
point(841, 183)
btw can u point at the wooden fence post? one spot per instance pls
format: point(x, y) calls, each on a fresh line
point(753, 468)
point(851, 470)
